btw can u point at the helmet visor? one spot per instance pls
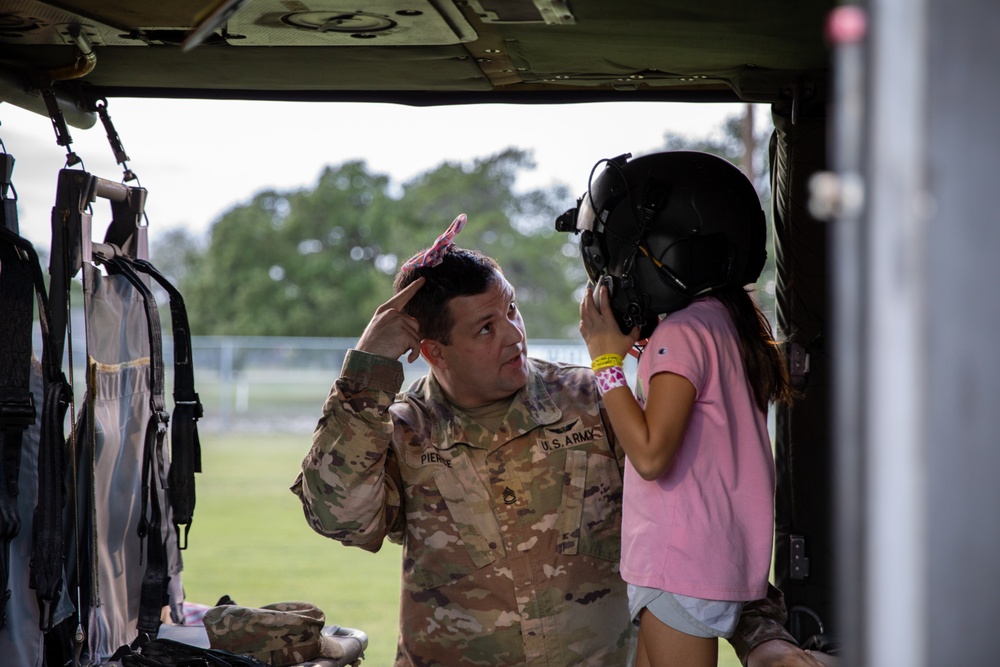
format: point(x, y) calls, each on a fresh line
point(586, 216)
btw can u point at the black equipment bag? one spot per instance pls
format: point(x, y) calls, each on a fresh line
point(169, 653)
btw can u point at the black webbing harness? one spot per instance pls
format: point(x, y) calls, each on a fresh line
point(185, 459)
point(17, 406)
point(21, 282)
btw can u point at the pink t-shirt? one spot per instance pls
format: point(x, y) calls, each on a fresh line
point(705, 527)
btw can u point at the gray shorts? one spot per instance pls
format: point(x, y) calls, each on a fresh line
point(692, 616)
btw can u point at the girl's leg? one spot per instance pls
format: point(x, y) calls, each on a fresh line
point(660, 645)
point(641, 659)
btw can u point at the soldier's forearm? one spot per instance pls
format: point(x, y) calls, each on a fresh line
point(761, 621)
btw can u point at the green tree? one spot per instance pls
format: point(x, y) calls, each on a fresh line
point(317, 262)
point(175, 253)
point(517, 229)
point(303, 262)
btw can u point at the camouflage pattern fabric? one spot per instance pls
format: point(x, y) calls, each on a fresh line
point(281, 634)
point(511, 540)
point(762, 620)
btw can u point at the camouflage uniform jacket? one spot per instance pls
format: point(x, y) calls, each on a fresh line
point(511, 540)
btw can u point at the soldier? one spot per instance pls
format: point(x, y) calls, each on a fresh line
point(497, 473)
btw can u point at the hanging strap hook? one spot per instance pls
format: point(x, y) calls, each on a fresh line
point(116, 143)
point(63, 137)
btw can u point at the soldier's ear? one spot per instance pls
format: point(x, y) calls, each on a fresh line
point(433, 352)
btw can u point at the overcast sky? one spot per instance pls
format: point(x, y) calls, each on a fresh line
point(199, 158)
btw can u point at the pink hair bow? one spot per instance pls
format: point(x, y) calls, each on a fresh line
point(433, 255)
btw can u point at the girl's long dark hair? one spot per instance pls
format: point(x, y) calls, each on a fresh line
point(763, 359)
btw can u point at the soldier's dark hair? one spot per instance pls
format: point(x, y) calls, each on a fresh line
point(461, 273)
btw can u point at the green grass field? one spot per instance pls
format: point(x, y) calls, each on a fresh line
point(250, 541)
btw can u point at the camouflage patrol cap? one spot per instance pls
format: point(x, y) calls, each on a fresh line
point(282, 634)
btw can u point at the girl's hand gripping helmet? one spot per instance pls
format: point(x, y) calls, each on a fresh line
point(664, 229)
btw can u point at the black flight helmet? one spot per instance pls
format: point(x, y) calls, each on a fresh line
point(664, 229)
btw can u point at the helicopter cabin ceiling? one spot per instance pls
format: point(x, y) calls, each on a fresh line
point(420, 52)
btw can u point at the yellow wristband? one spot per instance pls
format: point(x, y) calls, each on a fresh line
point(606, 361)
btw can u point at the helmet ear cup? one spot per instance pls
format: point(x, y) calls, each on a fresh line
point(626, 304)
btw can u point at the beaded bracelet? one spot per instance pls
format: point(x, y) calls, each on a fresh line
point(610, 378)
point(606, 361)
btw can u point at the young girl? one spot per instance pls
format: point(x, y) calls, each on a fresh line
point(699, 481)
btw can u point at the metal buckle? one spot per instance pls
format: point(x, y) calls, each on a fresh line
point(15, 413)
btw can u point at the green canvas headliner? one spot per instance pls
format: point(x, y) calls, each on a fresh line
point(430, 52)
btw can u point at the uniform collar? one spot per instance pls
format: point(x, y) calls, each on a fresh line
point(532, 407)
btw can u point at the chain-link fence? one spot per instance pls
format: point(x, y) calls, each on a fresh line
point(279, 384)
point(251, 383)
